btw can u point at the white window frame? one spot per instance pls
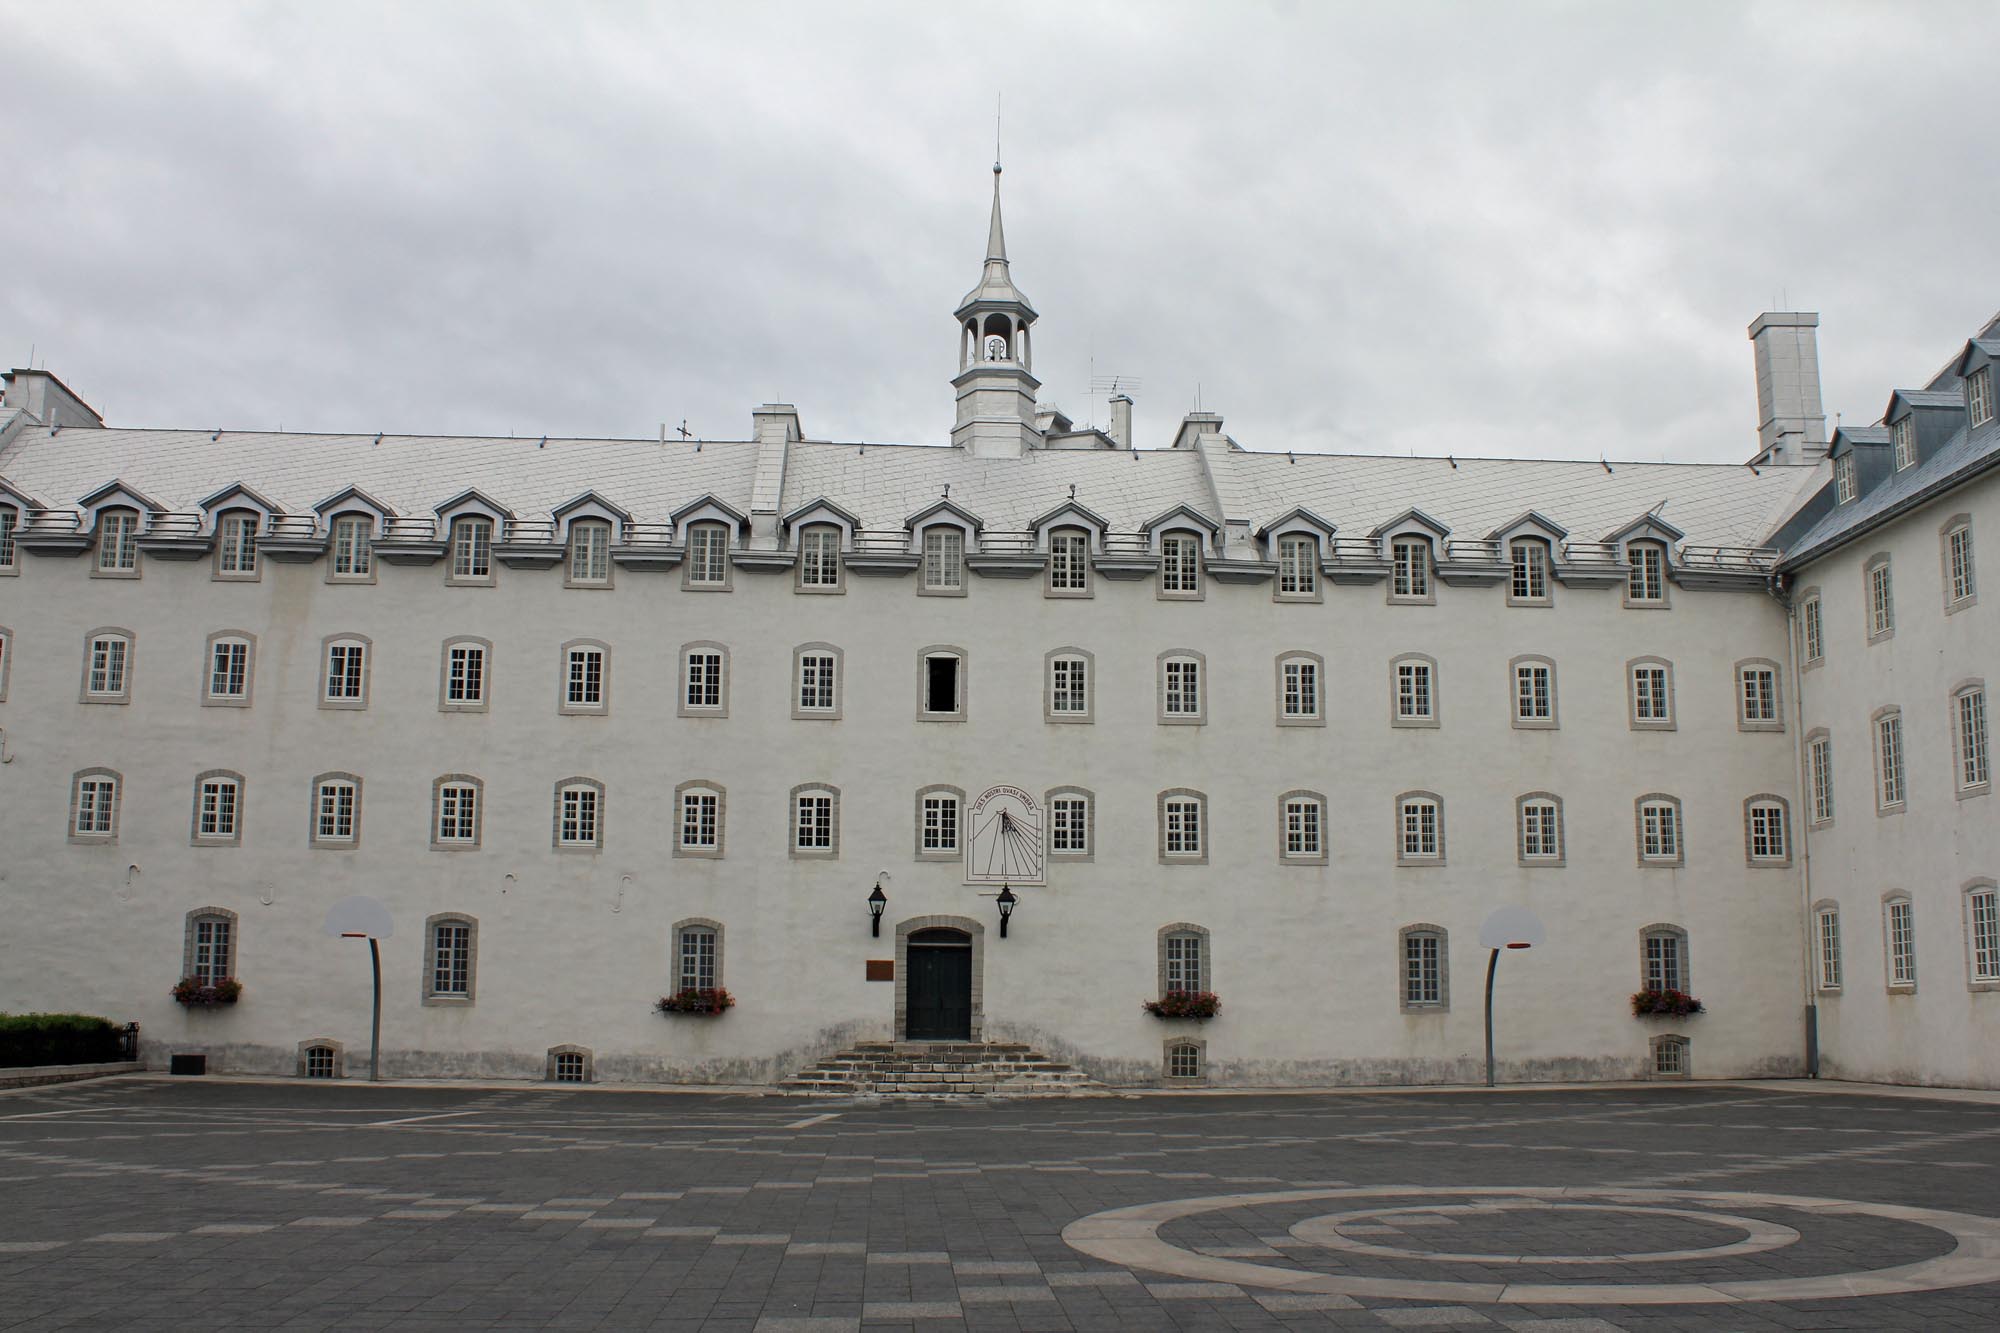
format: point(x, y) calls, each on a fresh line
point(109, 655)
point(217, 820)
point(1538, 829)
point(236, 546)
point(1534, 693)
point(1961, 574)
point(1298, 567)
point(1413, 691)
point(1664, 960)
point(1899, 942)
point(351, 547)
point(699, 682)
point(817, 675)
point(1070, 571)
point(10, 527)
point(706, 567)
point(815, 821)
point(701, 811)
point(1183, 824)
point(1530, 572)
point(1982, 935)
point(117, 544)
point(95, 795)
point(1184, 960)
point(1072, 823)
point(356, 656)
point(470, 553)
point(961, 682)
point(1070, 692)
point(1301, 689)
point(230, 659)
point(1819, 778)
point(1903, 438)
point(324, 816)
point(942, 563)
point(466, 812)
point(697, 960)
point(465, 675)
point(1659, 829)
point(1180, 566)
point(1979, 396)
point(575, 691)
point(1413, 570)
point(1812, 630)
point(578, 817)
point(1767, 831)
point(1971, 745)
point(1650, 704)
point(210, 950)
point(940, 824)
point(821, 568)
point(1183, 688)
point(1846, 482)
point(1892, 777)
point(1420, 839)
point(1760, 701)
point(1646, 574)
point(1423, 969)
point(451, 959)
point(1827, 969)
point(1878, 591)
point(587, 559)
point(1302, 828)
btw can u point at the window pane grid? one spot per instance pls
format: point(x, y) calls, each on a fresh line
point(1973, 769)
point(9, 521)
point(1985, 912)
point(1767, 833)
point(472, 548)
point(819, 558)
point(94, 802)
point(1183, 964)
point(351, 552)
point(1183, 688)
point(1413, 690)
point(1531, 571)
point(238, 554)
point(1180, 564)
point(451, 959)
point(1646, 578)
point(457, 809)
point(697, 960)
point(1651, 701)
point(118, 542)
point(1881, 601)
point(708, 554)
point(816, 683)
point(1422, 978)
point(590, 552)
point(1958, 548)
point(1420, 828)
point(1659, 832)
point(1068, 825)
point(229, 672)
point(586, 677)
point(1664, 966)
point(1412, 568)
point(1298, 566)
point(815, 823)
point(107, 666)
point(1815, 640)
point(1533, 699)
point(1183, 832)
point(466, 682)
point(211, 951)
point(700, 825)
point(940, 824)
point(1539, 837)
point(1829, 950)
point(343, 670)
point(1301, 689)
point(1760, 695)
point(1066, 686)
point(336, 811)
point(944, 559)
point(218, 808)
point(1902, 944)
point(1819, 756)
point(1069, 562)
point(579, 816)
point(704, 680)
point(1889, 746)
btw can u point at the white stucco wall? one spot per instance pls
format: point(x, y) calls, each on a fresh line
point(1944, 1030)
point(574, 948)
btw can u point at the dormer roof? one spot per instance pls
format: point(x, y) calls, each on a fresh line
point(353, 496)
point(1183, 512)
point(727, 510)
point(1071, 509)
point(1977, 352)
point(9, 491)
point(1646, 525)
point(1412, 518)
point(1904, 401)
point(1533, 520)
point(590, 497)
point(239, 491)
point(112, 490)
point(1296, 517)
point(930, 511)
point(473, 497)
point(820, 505)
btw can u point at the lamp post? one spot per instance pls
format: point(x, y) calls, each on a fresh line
point(364, 918)
point(1504, 928)
point(878, 902)
point(1006, 902)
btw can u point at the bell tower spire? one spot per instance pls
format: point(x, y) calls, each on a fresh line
point(995, 381)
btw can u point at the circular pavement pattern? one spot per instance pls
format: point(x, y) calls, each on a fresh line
point(1130, 1237)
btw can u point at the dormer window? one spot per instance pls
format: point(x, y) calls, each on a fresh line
point(708, 556)
point(1646, 574)
point(118, 542)
point(944, 560)
point(1845, 484)
point(589, 553)
point(472, 549)
point(352, 553)
point(10, 520)
point(1530, 579)
point(236, 546)
point(1298, 566)
point(1979, 395)
point(819, 558)
point(1412, 576)
point(1180, 565)
point(1903, 435)
point(1069, 563)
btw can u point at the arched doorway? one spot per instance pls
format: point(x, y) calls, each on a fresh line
point(938, 972)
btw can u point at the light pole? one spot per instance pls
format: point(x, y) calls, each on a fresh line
point(364, 918)
point(1504, 928)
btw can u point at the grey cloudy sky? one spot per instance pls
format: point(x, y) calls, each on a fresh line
point(1475, 228)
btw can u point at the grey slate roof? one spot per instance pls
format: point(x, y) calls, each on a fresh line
point(1966, 455)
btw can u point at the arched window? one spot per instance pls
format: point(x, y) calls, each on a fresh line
point(1671, 1053)
point(10, 523)
point(707, 564)
point(1657, 817)
point(1663, 958)
point(1298, 567)
point(1180, 565)
point(1767, 836)
point(943, 561)
point(1070, 681)
point(586, 678)
point(1534, 693)
point(816, 681)
point(336, 811)
point(352, 543)
point(344, 674)
point(1961, 583)
point(321, 1057)
point(457, 809)
point(1651, 684)
point(819, 558)
point(587, 562)
point(1183, 827)
point(107, 666)
point(940, 810)
point(1879, 591)
point(236, 545)
point(699, 809)
point(1184, 959)
point(117, 543)
point(1301, 677)
point(1185, 1062)
point(471, 549)
point(1539, 824)
point(1899, 941)
point(1419, 829)
point(1302, 828)
point(1529, 562)
point(1645, 574)
point(218, 810)
point(1968, 727)
point(1819, 775)
point(697, 954)
point(941, 683)
point(226, 681)
point(1183, 689)
point(209, 948)
point(1411, 570)
point(1072, 826)
point(815, 821)
point(1413, 691)
point(1982, 934)
point(1758, 707)
point(451, 958)
point(1069, 563)
point(704, 679)
point(570, 1064)
point(579, 815)
point(1423, 961)
point(93, 805)
point(1826, 944)
point(464, 675)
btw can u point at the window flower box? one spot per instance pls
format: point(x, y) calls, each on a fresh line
point(702, 1000)
point(198, 994)
point(1664, 1004)
point(1198, 1005)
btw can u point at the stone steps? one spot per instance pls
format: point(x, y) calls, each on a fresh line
point(939, 1069)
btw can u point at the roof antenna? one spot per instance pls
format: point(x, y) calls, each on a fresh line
point(1453, 461)
point(683, 431)
point(1606, 466)
point(996, 134)
point(378, 438)
point(1290, 459)
point(544, 443)
point(216, 436)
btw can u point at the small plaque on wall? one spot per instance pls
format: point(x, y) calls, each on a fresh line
point(881, 969)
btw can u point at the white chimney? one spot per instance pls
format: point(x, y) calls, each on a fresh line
point(1121, 421)
point(1791, 425)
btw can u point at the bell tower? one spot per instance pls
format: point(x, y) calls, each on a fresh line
point(995, 381)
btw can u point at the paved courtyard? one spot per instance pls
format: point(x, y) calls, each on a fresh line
point(149, 1203)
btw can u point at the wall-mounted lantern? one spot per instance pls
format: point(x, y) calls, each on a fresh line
point(1006, 902)
point(878, 902)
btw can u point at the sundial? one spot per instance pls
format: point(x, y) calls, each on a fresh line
point(1005, 842)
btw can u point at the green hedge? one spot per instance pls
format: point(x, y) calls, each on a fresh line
point(55, 1039)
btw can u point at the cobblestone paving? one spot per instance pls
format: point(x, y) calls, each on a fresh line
point(149, 1203)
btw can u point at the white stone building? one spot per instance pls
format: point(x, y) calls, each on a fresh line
point(598, 720)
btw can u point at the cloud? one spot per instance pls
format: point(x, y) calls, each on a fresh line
point(1536, 230)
